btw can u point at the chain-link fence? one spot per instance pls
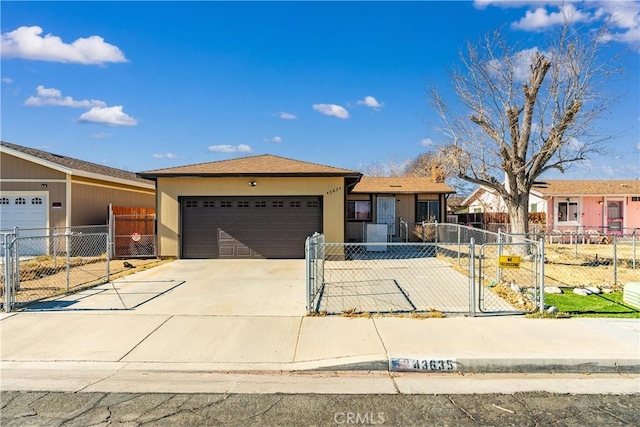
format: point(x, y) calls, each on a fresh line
point(449, 274)
point(39, 267)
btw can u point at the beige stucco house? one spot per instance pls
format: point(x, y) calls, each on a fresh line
point(40, 190)
point(391, 200)
point(266, 206)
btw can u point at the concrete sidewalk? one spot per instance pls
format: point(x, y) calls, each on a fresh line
point(99, 339)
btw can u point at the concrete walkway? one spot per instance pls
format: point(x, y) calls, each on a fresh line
point(159, 321)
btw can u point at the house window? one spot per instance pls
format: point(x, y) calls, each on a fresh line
point(359, 210)
point(226, 204)
point(21, 201)
point(243, 204)
point(4, 201)
point(192, 204)
point(313, 204)
point(208, 204)
point(295, 204)
point(533, 207)
point(428, 211)
point(635, 198)
point(277, 204)
point(567, 211)
point(261, 204)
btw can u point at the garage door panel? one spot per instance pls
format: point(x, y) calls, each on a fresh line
point(248, 227)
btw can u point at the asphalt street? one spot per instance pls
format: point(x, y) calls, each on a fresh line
point(173, 409)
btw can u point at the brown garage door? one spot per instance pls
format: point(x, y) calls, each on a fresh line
point(248, 227)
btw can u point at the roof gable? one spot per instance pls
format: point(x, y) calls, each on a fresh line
point(73, 166)
point(400, 185)
point(265, 164)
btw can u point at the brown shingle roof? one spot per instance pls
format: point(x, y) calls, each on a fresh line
point(399, 185)
point(552, 187)
point(265, 164)
point(76, 164)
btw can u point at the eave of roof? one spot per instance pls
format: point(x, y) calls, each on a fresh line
point(76, 167)
point(401, 185)
point(257, 166)
point(547, 188)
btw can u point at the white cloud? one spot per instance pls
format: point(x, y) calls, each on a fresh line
point(621, 17)
point(51, 96)
point(427, 142)
point(521, 63)
point(541, 18)
point(110, 116)
point(27, 43)
point(276, 139)
point(241, 148)
point(638, 146)
point(7, 80)
point(332, 110)
point(287, 116)
point(164, 156)
point(101, 135)
point(370, 101)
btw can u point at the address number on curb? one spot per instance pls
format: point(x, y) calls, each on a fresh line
point(423, 365)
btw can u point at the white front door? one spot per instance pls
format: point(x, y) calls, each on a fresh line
point(386, 213)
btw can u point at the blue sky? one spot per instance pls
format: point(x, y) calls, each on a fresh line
point(148, 85)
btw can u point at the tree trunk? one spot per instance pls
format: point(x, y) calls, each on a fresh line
point(519, 217)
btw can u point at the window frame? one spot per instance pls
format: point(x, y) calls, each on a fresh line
point(560, 215)
point(355, 212)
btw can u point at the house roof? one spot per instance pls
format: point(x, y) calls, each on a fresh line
point(74, 166)
point(262, 165)
point(400, 185)
point(553, 187)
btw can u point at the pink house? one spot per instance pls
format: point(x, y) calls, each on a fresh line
point(606, 207)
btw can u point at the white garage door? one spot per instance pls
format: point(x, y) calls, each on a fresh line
point(23, 211)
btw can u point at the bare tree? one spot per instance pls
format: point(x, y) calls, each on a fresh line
point(523, 112)
point(390, 167)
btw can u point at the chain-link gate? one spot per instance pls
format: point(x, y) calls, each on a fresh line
point(510, 271)
point(37, 268)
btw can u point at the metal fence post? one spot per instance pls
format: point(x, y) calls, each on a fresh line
point(472, 277)
point(436, 235)
point(68, 248)
point(7, 275)
point(633, 243)
point(541, 251)
point(307, 262)
point(499, 270)
point(458, 225)
point(108, 243)
point(615, 259)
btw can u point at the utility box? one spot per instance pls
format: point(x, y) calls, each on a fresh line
point(631, 294)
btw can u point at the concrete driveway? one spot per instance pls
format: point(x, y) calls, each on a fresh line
point(199, 287)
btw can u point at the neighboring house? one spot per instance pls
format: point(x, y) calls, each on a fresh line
point(266, 206)
point(391, 199)
point(39, 189)
point(601, 205)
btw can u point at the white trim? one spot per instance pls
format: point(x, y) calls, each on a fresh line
point(93, 184)
point(32, 180)
point(91, 175)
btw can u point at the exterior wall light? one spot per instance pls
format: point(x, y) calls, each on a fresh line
point(253, 183)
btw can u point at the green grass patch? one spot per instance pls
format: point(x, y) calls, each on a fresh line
point(602, 305)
